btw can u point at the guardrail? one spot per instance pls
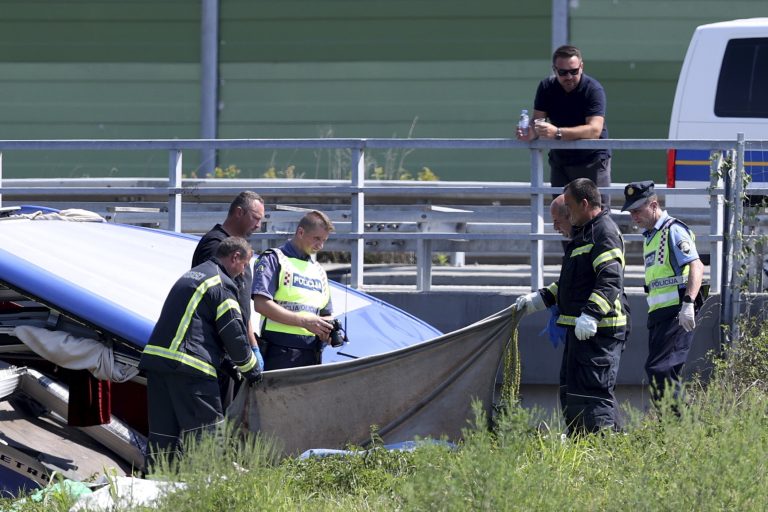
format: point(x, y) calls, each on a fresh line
point(173, 191)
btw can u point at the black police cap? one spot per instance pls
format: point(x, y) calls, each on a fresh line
point(635, 194)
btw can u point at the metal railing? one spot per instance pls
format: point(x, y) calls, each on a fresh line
point(357, 187)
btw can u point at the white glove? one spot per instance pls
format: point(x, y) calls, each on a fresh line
point(686, 317)
point(529, 303)
point(586, 327)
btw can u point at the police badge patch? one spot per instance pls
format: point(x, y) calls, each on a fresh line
point(649, 259)
point(684, 246)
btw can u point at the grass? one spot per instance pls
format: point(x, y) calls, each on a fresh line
point(712, 457)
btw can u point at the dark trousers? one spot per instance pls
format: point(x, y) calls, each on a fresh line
point(229, 381)
point(599, 171)
point(563, 394)
point(591, 368)
point(279, 357)
point(668, 347)
point(179, 405)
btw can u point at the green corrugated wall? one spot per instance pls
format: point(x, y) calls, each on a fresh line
point(329, 68)
point(340, 68)
point(98, 70)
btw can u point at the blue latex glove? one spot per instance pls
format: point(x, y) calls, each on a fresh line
point(556, 332)
point(259, 359)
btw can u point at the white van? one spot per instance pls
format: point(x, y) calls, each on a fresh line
point(722, 91)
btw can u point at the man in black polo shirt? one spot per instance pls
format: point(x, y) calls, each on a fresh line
point(571, 106)
point(243, 218)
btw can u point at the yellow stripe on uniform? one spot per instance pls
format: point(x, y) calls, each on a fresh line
point(617, 254)
point(183, 358)
point(609, 321)
point(249, 365)
point(226, 306)
point(190, 311)
point(582, 250)
point(601, 303)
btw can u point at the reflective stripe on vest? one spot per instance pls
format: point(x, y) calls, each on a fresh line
point(173, 351)
point(302, 288)
point(660, 278)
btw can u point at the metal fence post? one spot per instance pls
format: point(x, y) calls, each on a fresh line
point(209, 83)
point(358, 218)
point(737, 234)
point(537, 219)
point(423, 263)
point(725, 276)
point(174, 190)
point(560, 35)
point(716, 213)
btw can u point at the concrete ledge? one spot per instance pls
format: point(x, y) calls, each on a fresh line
point(450, 310)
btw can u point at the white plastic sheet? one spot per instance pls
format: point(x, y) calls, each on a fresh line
point(75, 353)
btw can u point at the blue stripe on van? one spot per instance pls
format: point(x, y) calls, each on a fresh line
point(693, 165)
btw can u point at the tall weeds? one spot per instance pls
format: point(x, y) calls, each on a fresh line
point(709, 457)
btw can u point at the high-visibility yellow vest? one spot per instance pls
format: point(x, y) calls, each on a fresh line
point(661, 280)
point(302, 288)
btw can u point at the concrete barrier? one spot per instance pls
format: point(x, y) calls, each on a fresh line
point(540, 362)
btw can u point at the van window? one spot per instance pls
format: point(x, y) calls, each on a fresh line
point(742, 88)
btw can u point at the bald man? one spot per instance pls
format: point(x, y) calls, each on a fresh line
point(559, 213)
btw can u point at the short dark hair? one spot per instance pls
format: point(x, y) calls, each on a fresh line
point(316, 219)
point(566, 52)
point(233, 244)
point(584, 188)
point(244, 200)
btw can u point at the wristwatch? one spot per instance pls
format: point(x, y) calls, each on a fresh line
point(558, 134)
point(687, 299)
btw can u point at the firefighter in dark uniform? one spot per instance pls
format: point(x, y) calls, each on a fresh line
point(199, 323)
point(243, 218)
point(291, 293)
point(593, 308)
point(673, 276)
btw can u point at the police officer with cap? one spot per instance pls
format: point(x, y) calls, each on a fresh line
point(673, 277)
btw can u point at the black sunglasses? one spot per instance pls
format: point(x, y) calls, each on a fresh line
point(566, 72)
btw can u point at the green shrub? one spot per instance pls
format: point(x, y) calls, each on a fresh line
point(744, 363)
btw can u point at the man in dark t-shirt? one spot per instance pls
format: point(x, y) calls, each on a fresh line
point(571, 105)
point(244, 217)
